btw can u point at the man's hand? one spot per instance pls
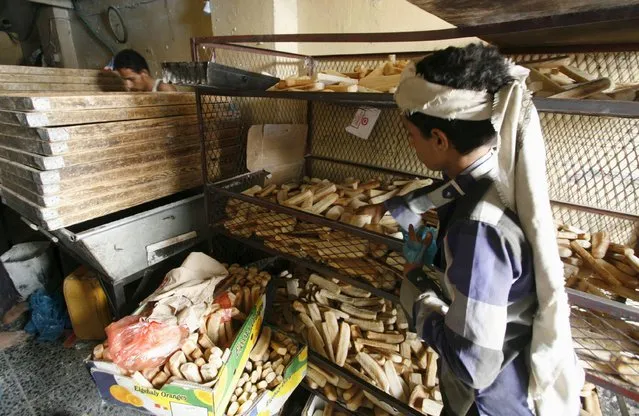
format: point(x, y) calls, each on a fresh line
point(376, 211)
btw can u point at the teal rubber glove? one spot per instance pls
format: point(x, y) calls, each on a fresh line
point(415, 252)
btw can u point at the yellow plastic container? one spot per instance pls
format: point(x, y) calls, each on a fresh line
point(87, 304)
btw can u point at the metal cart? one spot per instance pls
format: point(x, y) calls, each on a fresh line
point(134, 245)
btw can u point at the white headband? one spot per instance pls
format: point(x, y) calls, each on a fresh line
point(416, 95)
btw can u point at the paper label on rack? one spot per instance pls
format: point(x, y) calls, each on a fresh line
point(363, 122)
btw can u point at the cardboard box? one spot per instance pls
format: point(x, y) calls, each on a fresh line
point(270, 402)
point(183, 398)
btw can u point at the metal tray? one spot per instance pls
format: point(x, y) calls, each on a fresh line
point(215, 75)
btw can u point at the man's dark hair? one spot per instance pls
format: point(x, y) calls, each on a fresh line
point(128, 58)
point(474, 67)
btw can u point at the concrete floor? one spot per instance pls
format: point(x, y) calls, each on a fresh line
point(46, 379)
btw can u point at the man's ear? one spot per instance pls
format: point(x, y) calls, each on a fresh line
point(441, 140)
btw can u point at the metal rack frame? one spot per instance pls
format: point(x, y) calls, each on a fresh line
point(600, 309)
point(597, 325)
point(597, 108)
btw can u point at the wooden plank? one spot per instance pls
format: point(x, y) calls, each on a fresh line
point(77, 101)
point(26, 86)
point(32, 159)
point(41, 200)
point(99, 168)
point(157, 192)
point(34, 146)
point(72, 159)
point(20, 131)
point(51, 71)
point(132, 130)
point(97, 79)
point(55, 118)
point(79, 171)
point(166, 136)
point(29, 185)
point(116, 152)
point(152, 137)
point(93, 193)
point(122, 177)
point(31, 174)
point(9, 118)
point(133, 196)
point(71, 206)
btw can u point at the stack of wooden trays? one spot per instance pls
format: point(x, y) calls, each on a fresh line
point(37, 79)
point(66, 158)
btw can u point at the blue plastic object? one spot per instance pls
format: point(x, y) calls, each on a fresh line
point(415, 252)
point(49, 316)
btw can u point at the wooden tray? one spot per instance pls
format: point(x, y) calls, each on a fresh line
point(91, 101)
point(65, 118)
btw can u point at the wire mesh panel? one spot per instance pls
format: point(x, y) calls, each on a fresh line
point(594, 162)
point(388, 145)
point(225, 124)
point(280, 230)
point(222, 137)
point(607, 348)
point(592, 165)
point(622, 230)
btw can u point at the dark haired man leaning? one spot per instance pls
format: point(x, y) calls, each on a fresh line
point(134, 70)
point(500, 320)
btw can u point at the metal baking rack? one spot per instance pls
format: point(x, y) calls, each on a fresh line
point(587, 191)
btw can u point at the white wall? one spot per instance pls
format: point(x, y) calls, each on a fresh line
point(344, 16)
point(233, 17)
point(159, 29)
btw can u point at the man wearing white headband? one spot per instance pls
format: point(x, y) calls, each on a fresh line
point(500, 323)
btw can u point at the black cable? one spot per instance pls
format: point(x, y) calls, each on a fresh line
point(90, 29)
point(33, 24)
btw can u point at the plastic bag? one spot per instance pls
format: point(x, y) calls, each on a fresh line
point(136, 344)
point(49, 316)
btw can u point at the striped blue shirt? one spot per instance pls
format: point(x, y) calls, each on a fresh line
point(489, 284)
